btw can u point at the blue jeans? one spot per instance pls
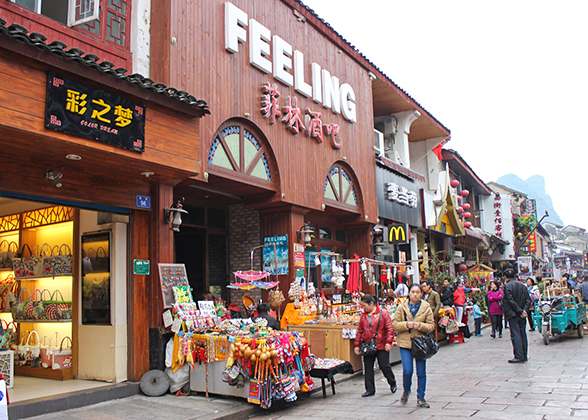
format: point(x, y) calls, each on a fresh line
point(407, 370)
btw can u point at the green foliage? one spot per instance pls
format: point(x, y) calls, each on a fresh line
point(436, 269)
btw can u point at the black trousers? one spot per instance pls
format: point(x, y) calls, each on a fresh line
point(530, 318)
point(384, 362)
point(518, 336)
point(496, 324)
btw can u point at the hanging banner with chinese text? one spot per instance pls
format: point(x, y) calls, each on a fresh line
point(83, 110)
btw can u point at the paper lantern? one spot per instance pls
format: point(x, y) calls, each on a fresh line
point(467, 214)
point(466, 206)
point(463, 267)
point(460, 209)
point(465, 193)
point(467, 224)
point(459, 198)
point(454, 182)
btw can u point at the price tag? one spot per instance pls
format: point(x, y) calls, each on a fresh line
point(177, 324)
point(167, 319)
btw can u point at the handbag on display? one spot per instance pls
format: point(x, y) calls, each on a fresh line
point(61, 263)
point(47, 351)
point(5, 286)
point(369, 348)
point(21, 349)
point(29, 353)
point(86, 263)
point(18, 261)
point(10, 297)
point(33, 266)
point(62, 357)
point(5, 335)
point(451, 326)
point(57, 309)
point(100, 262)
point(18, 308)
point(8, 251)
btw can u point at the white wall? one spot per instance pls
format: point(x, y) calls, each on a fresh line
point(141, 36)
point(103, 350)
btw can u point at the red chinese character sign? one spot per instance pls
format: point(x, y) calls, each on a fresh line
point(83, 110)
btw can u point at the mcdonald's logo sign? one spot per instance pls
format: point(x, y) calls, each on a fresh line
point(398, 234)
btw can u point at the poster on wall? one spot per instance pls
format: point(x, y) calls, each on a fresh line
point(275, 254)
point(170, 276)
point(525, 265)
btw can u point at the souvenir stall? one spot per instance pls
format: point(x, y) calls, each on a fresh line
point(236, 357)
point(330, 324)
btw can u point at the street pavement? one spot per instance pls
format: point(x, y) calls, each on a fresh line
point(472, 379)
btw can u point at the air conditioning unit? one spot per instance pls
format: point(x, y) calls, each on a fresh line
point(379, 142)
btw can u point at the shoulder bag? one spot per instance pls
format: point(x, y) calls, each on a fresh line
point(369, 348)
point(423, 347)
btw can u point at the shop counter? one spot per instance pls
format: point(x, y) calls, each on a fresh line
point(326, 341)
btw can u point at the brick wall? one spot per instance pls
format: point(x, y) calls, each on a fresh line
point(244, 234)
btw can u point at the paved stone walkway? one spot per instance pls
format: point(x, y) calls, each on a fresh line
point(472, 379)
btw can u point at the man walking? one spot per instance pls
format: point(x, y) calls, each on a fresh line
point(516, 305)
point(584, 289)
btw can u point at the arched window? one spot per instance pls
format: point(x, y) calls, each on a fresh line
point(339, 187)
point(236, 148)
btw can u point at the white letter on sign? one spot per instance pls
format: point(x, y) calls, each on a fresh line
point(282, 56)
point(348, 102)
point(331, 97)
point(299, 84)
point(235, 20)
point(259, 47)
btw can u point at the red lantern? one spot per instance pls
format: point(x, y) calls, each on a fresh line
point(463, 267)
point(466, 206)
point(467, 224)
point(465, 193)
point(454, 182)
point(459, 198)
point(467, 214)
point(460, 209)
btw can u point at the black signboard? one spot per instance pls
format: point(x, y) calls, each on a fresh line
point(83, 110)
point(398, 234)
point(399, 199)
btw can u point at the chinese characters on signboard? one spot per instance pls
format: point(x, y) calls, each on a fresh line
point(83, 110)
point(291, 115)
point(401, 195)
point(498, 216)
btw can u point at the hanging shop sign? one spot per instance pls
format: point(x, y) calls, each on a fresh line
point(398, 234)
point(525, 265)
point(275, 254)
point(498, 216)
point(273, 55)
point(82, 110)
point(299, 255)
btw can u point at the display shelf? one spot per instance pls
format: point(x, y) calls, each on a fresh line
point(41, 372)
point(6, 269)
point(96, 272)
point(48, 276)
point(40, 321)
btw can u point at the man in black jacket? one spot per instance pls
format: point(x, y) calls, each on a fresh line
point(516, 306)
point(447, 295)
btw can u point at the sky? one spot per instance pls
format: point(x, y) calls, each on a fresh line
point(508, 78)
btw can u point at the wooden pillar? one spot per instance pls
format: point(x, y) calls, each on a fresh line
point(139, 291)
point(162, 247)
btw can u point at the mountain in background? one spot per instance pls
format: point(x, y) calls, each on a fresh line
point(534, 187)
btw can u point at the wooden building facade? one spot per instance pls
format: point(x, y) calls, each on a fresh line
point(43, 164)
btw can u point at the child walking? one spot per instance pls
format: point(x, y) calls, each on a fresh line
point(477, 318)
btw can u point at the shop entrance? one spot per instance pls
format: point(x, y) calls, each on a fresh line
point(76, 275)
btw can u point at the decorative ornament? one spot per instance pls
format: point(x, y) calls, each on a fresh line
point(459, 198)
point(459, 209)
point(467, 224)
point(466, 206)
point(454, 183)
point(463, 267)
point(467, 214)
point(464, 193)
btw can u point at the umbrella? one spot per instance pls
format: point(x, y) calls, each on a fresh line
point(251, 275)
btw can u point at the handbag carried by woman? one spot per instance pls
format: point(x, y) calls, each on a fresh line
point(369, 348)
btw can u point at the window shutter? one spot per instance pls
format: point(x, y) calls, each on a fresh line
point(82, 11)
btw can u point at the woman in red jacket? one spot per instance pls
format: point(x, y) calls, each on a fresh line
point(375, 321)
